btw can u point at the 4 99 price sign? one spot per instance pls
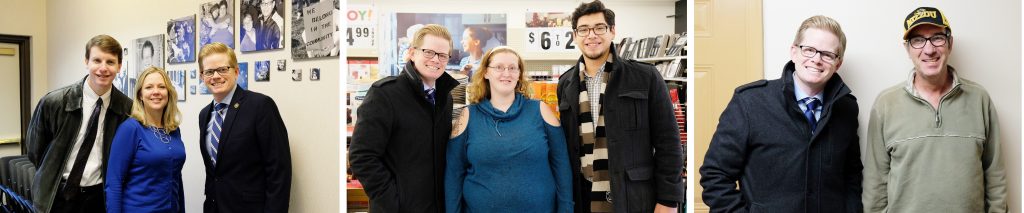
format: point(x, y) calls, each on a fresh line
point(362, 24)
point(549, 32)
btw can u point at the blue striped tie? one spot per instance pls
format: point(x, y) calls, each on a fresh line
point(214, 131)
point(812, 104)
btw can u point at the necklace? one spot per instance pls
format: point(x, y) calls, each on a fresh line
point(161, 134)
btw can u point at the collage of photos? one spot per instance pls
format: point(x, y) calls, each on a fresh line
point(454, 106)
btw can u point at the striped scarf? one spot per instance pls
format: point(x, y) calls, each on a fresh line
point(594, 149)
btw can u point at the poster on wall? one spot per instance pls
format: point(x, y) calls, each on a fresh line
point(549, 32)
point(178, 81)
point(262, 25)
point(262, 72)
point(243, 75)
point(314, 31)
point(362, 26)
point(472, 34)
point(181, 38)
point(216, 23)
point(125, 79)
point(149, 52)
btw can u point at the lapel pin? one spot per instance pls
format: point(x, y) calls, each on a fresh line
point(236, 105)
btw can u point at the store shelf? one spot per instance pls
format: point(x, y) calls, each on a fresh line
point(660, 58)
point(681, 79)
point(362, 53)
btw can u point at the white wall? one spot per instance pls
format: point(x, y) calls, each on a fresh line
point(308, 107)
point(986, 38)
point(25, 18)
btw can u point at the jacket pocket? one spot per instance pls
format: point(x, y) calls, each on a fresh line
point(632, 108)
point(640, 189)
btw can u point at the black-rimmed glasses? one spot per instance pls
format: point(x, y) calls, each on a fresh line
point(810, 52)
point(936, 40)
point(431, 53)
point(220, 70)
point(600, 29)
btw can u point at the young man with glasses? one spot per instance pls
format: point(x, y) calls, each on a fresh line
point(791, 142)
point(623, 139)
point(243, 139)
point(933, 141)
point(398, 147)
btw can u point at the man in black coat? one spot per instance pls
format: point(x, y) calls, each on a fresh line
point(791, 142)
point(398, 147)
point(88, 112)
point(619, 124)
point(244, 141)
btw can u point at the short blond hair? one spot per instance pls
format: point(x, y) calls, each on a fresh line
point(432, 29)
point(480, 88)
point(214, 48)
point(823, 23)
point(171, 116)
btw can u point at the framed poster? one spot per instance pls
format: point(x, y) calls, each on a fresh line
point(472, 35)
point(216, 23)
point(181, 40)
point(315, 33)
point(262, 72)
point(149, 52)
point(262, 25)
point(124, 81)
point(178, 81)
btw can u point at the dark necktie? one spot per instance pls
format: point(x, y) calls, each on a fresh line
point(430, 95)
point(75, 177)
point(812, 103)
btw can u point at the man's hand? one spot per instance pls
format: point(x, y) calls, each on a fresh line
point(658, 208)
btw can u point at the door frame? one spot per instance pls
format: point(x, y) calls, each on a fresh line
point(25, 74)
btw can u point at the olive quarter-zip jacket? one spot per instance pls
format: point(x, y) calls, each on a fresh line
point(922, 159)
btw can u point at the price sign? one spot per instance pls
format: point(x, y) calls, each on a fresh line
point(362, 27)
point(550, 39)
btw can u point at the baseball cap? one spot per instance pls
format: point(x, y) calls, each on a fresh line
point(924, 15)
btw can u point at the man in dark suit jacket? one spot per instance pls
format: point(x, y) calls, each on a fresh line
point(244, 141)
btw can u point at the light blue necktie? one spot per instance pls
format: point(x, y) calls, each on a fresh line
point(214, 131)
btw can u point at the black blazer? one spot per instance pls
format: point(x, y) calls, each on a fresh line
point(254, 168)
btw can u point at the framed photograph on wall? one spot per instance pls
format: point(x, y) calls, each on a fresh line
point(314, 33)
point(125, 79)
point(181, 38)
point(243, 75)
point(262, 25)
point(296, 74)
point(281, 65)
point(262, 72)
point(149, 52)
point(216, 23)
point(314, 74)
point(178, 81)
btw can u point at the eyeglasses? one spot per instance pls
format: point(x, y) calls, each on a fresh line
point(220, 70)
point(810, 52)
point(266, 3)
point(600, 29)
point(935, 40)
point(508, 69)
point(431, 53)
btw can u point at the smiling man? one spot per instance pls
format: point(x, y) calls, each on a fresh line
point(243, 139)
point(791, 142)
point(400, 139)
point(71, 130)
point(933, 141)
point(623, 139)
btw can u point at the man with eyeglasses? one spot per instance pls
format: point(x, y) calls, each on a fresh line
point(933, 141)
point(243, 139)
point(400, 140)
point(790, 142)
point(623, 139)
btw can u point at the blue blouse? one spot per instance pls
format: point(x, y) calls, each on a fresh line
point(144, 172)
point(510, 161)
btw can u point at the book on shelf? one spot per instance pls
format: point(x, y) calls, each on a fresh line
point(668, 45)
